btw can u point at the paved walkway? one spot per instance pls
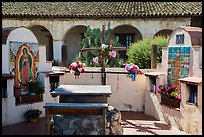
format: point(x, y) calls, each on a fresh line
point(133, 123)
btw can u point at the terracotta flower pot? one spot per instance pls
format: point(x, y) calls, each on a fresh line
point(33, 120)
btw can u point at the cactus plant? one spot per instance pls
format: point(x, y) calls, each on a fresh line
point(93, 39)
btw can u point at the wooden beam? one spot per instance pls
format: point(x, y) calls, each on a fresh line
point(119, 48)
point(88, 49)
point(97, 49)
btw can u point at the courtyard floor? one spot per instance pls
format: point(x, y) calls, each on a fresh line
point(133, 123)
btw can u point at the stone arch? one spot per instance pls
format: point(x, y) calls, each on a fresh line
point(164, 32)
point(72, 39)
point(128, 34)
point(45, 38)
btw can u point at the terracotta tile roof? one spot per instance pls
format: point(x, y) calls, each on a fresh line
point(195, 34)
point(100, 9)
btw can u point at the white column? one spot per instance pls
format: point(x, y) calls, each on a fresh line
point(5, 59)
point(43, 64)
point(57, 49)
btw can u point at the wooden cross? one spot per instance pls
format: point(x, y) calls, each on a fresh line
point(103, 58)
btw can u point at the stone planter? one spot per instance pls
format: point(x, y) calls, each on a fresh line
point(29, 98)
point(170, 102)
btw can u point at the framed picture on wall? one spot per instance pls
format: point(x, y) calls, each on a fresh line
point(180, 39)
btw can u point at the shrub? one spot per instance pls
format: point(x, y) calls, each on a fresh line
point(35, 87)
point(140, 52)
point(32, 113)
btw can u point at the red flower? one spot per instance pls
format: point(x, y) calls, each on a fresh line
point(160, 86)
point(77, 62)
point(103, 53)
point(80, 65)
point(140, 72)
point(82, 71)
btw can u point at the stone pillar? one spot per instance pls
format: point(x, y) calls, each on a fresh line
point(154, 57)
point(5, 59)
point(57, 49)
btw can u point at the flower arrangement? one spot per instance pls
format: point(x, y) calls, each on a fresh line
point(76, 68)
point(169, 91)
point(133, 69)
point(105, 52)
point(32, 114)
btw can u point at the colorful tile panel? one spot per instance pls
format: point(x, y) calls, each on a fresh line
point(178, 64)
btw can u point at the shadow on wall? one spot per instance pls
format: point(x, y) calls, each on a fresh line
point(162, 126)
point(170, 114)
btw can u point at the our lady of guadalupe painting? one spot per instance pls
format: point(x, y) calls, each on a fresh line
point(24, 58)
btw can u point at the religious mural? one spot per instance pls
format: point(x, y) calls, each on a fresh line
point(24, 59)
point(178, 64)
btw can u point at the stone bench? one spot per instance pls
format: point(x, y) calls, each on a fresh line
point(82, 93)
point(75, 109)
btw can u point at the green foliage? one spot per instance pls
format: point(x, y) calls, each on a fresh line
point(32, 113)
point(35, 87)
point(140, 52)
point(93, 39)
point(56, 63)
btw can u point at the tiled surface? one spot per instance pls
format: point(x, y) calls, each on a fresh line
point(180, 66)
point(133, 123)
point(100, 9)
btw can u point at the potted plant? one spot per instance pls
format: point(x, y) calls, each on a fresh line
point(32, 114)
point(35, 87)
point(170, 95)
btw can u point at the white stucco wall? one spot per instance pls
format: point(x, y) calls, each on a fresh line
point(11, 113)
point(5, 59)
point(21, 34)
point(177, 31)
point(128, 92)
point(196, 69)
point(43, 64)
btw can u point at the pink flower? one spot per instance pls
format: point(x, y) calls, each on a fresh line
point(134, 70)
point(127, 67)
point(95, 59)
point(160, 86)
point(112, 54)
point(178, 96)
point(158, 90)
point(178, 87)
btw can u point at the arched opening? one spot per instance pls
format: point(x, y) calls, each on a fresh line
point(44, 38)
point(127, 35)
point(72, 41)
point(165, 32)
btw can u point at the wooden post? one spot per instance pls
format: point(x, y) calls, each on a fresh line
point(47, 123)
point(103, 80)
point(103, 74)
point(103, 34)
point(154, 57)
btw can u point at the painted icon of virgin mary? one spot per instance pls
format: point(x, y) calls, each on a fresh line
point(25, 63)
